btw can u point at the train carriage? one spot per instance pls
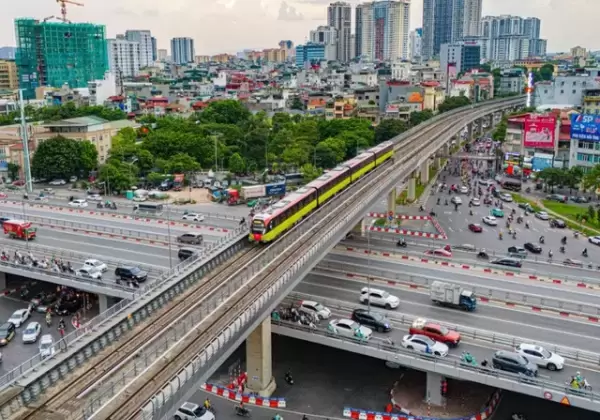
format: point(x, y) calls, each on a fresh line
point(330, 183)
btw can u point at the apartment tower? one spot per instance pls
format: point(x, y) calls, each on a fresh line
point(385, 28)
point(339, 16)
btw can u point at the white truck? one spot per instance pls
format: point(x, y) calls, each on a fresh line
point(452, 295)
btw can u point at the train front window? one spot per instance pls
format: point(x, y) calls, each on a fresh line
point(258, 226)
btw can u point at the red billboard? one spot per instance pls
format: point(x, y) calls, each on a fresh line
point(538, 131)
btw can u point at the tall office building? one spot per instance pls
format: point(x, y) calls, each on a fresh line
point(309, 54)
point(154, 50)
point(144, 38)
point(123, 57)
point(509, 38)
point(385, 27)
point(466, 18)
point(55, 53)
point(326, 36)
point(357, 32)
point(339, 15)
point(182, 50)
point(415, 44)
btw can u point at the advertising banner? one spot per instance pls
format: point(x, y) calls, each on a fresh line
point(538, 131)
point(585, 127)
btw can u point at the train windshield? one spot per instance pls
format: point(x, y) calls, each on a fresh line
point(258, 226)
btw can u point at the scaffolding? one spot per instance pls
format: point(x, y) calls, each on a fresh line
point(57, 53)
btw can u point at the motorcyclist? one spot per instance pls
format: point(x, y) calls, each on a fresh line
point(562, 249)
point(207, 404)
point(584, 253)
point(542, 239)
point(277, 417)
point(550, 254)
point(470, 212)
point(526, 225)
point(564, 240)
point(500, 235)
point(48, 318)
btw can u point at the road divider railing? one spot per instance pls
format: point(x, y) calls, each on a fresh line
point(536, 303)
point(252, 399)
point(61, 201)
point(109, 325)
point(580, 281)
point(575, 355)
point(449, 366)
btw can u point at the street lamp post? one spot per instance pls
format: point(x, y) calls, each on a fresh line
point(169, 236)
point(25, 137)
point(369, 269)
point(25, 220)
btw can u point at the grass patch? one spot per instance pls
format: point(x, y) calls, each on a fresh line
point(403, 200)
point(382, 222)
point(576, 217)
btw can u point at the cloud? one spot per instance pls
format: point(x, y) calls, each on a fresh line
point(289, 13)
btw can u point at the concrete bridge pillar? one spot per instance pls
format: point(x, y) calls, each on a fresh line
point(469, 132)
point(433, 391)
point(258, 360)
point(2, 281)
point(446, 149)
point(102, 303)
point(391, 201)
point(437, 163)
point(425, 172)
point(412, 188)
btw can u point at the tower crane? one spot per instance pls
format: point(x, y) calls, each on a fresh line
point(63, 8)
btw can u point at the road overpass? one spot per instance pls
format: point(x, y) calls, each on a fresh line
point(249, 294)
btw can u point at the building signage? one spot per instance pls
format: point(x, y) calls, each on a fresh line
point(538, 131)
point(585, 127)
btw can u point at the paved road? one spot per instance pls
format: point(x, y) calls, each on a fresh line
point(537, 327)
point(538, 409)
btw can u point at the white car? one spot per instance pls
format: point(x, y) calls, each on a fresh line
point(94, 197)
point(193, 216)
point(73, 179)
point(19, 317)
point(490, 221)
point(541, 357)
point(379, 298)
point(456, 200)
point(47, 346)
point(79, 203)
point(475, 202)
point(89, 273)
point(96, 265)
point(486, 182)
point(32, 332)
point(506, 198)
point(315, 309)
point(40, 200)
point(464, 189)
point(349, 328)
point(57, 182)
point(542, 215)
point(424, 344)
point(191, 411)
point(594, 240)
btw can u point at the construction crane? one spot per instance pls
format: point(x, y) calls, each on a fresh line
point(63, 8)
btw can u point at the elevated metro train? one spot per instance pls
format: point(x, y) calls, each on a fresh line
point(274, 221)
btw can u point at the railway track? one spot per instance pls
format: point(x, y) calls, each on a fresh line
point(69, 402)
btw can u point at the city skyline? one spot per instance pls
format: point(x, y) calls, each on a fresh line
point(562, 24)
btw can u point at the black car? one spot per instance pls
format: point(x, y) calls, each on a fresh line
point(3, 219)
point(67, 307)
point(509, 262)
point(185, 253)
point(558, 223)
point(7, 333)
point(513, 362)
point(131, 273)
point(372, 319)
point(534, 248)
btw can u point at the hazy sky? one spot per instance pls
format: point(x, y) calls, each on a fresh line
point(233, 25)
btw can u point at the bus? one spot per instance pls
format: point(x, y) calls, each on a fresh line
point(149, 208)
point(511, 184)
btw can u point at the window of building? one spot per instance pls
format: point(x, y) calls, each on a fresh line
point(574, 83)
point(562, 91)
point(545, 90)
point(562, 83)
point(574, 92)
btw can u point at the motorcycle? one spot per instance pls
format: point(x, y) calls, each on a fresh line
point(517, 416)
point(483, 255)
point(289, 379)
point(401, 243)
point(242, 412)
point(562, 249)
point(100, 206)
point(113, 206)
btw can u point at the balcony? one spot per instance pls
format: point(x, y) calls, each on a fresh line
point(594, 98)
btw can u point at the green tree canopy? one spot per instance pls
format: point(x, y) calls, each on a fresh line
point(453, 102)
point(60, 157)
point(236, 164)
point(388, 129)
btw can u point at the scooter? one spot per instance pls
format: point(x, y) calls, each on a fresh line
point(289, 379)
point(401, 243)
point(242, 412)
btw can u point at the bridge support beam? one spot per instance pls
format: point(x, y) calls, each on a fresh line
point(2, 281)
point(391, 201)
point(437, 163)
point(258, 360)
point(433, 392)
point(425, 172)
point(470, 132)
point(102, 303)
point(412, 188)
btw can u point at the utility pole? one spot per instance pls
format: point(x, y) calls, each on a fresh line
point(25, 137)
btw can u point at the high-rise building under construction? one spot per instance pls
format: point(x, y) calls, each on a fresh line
point(55, 53)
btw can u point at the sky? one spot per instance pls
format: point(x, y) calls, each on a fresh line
point(233, 25)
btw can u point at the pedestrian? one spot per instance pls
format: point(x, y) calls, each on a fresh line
point(389, 408)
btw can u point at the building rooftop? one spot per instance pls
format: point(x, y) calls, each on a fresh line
point(77, 121)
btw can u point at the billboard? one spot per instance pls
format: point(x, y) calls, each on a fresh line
point(585, 127)
point(538, 131)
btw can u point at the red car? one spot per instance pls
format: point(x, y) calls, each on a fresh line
point(474, 227)
point(439, 253)
point(435, 332)
point(19, 183)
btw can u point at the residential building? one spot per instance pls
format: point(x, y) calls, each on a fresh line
point(591, 101)
point(475, 85)
point(8, 75)
point(96, 130)
point(327, 36)
point(512, 81)
point(339, 16)
point(154, 50)
point(199, 59)
point(273, 55)
point(182, 50)
point(401, 70)
point(463, 55)
point(578, 52)
point(358, 31)
point(101, 90)
point(509, 38)
point(340, 107)
point(309, 53)
point(123, 57)
point(385, 27)
point(288, 46)
point(437, 26)
point(415, 45)
point(471, 18)
point(55, 53)
point(567, 89)
point(7, 53)
point(144, 38)
point(162, 54)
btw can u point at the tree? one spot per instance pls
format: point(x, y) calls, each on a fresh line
point(388, 129)
point(118, 176)
point(227, 111)
point(591, 180)
point(182, 163)
point(417, 117)
point(309, 172)
point(552, 176)
point(573, 177)
point(453, 102)
point(88, 157)
point(58, 157)
point(499, 133)
point(297, 104)
point(236, 164)
point(591, 211)
point(13, 170)
point(546, 72)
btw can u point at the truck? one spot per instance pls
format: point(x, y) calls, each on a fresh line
point(19, 229)
point(250, 194)
point(452, 295)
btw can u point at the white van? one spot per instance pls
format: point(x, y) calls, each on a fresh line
point(47, 347)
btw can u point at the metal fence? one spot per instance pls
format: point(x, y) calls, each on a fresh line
point(507, 296)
